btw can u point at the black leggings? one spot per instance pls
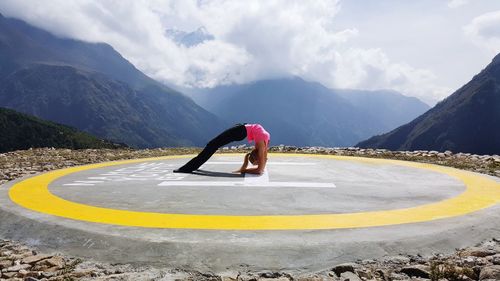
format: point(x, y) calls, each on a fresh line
point(236, 133)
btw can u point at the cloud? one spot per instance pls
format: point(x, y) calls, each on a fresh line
point(457, 3)
point(372, 69)
point(251, 40)
point(484, 32)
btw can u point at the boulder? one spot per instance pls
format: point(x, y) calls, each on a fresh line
point(16, 268)
point(344, 267)
point(477, 252)
point(35, 259)
point(418, 270)
point(490, 272)
point(349, 276)
point(5, 264)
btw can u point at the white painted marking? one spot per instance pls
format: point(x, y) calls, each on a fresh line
point(243, 183)
point(256, 179)
point(251, 180)
point(84, 183)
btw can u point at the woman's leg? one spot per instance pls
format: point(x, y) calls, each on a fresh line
point(235, 133)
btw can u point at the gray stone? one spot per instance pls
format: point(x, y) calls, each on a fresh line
point(23, 273)
point(496, 259)
point(16, 268)
point(490, 272)
point(349, 276)
point(421, 271)
point(273, 279)
point(56, 261)
point(9, 275)
point(397, 259)
point(5, 264)
point(477, 252)
point(344, 267)
point(35, 259)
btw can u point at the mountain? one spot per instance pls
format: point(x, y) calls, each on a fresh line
point(466, 121)
point(390, 108)
point(92, 87)
point(189, 39)
point(21, 131)
point(302, 113)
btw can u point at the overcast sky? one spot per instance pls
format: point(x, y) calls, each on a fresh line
point(425, 48)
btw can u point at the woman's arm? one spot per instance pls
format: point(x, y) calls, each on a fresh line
point(245, 164)
point(262, 149)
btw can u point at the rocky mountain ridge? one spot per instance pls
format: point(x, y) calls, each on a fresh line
point(466, 121)
point(92, 87)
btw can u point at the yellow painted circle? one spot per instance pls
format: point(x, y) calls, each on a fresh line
point(481, 192)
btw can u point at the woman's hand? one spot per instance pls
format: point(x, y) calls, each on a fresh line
point(262, 158)
point(244, 166)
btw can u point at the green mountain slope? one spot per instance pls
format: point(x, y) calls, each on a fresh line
point(20, 131)
point(93, 88)
point(466, 121)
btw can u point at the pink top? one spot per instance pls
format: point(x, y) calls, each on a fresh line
point(255, 132)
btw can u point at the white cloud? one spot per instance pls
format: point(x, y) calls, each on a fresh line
point(252, 40)
point(457, 3)
point(484, 31)
point(372, 69)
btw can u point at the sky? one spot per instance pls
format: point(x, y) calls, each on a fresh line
point(426, 48)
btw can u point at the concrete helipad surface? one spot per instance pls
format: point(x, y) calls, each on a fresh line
point(304, 213)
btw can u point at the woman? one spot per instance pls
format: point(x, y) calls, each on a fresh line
point(253, 132)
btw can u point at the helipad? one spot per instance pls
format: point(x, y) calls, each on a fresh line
point(305, 212)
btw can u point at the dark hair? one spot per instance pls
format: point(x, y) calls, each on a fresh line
point(253, 156)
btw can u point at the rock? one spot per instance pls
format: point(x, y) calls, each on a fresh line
point(494, 260)
point(82, 273)
point(397, 259)
point(270, 275)
point(383, 273)
point(448, 153)
point(53, 269)
point(398, 276)
point(490, 272)
point(35, 259)
point(349, 276)
point(310, 278)
point(344, 267)
point(23, 273)
point(477, 252)
point(5, 264)
point(40, 267)
point(6, 253)
point(228, 278)
point(31, 279)
point(273, 279)
point(16, 268)
point(421, 271)
point(8, 275)
point(441, 155)
point(46, 274)
point(364, 274)
point(55, 261)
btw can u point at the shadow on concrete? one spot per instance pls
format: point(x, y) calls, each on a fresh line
point(217, 174)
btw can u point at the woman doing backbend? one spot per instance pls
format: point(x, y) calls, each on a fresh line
point(253, 132)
